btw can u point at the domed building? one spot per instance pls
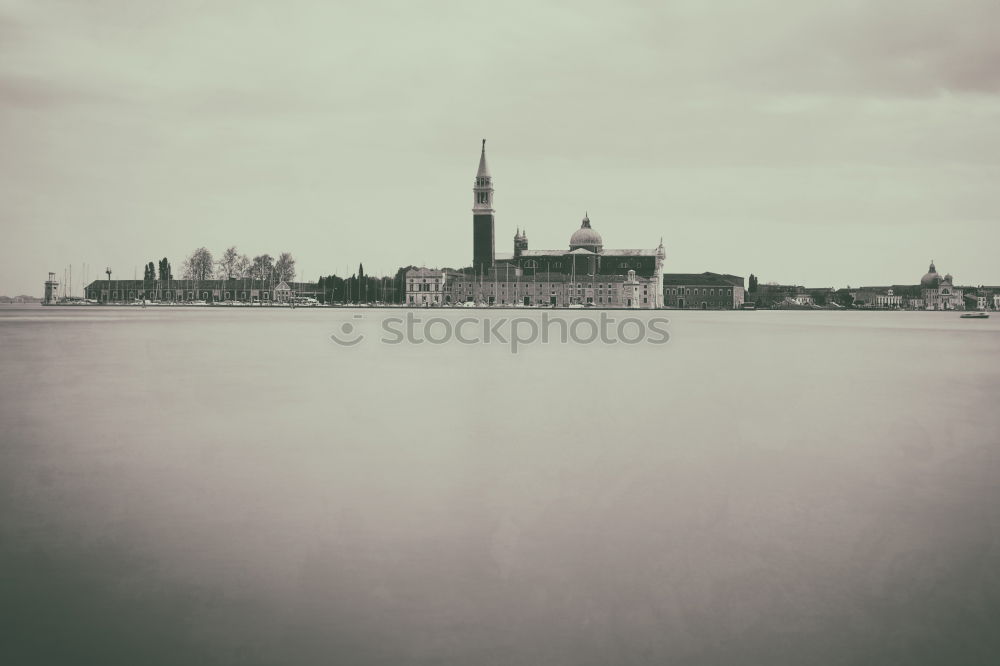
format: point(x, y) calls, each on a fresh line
point(586, 238)
point(931, 279)
point(586, 274)
point(939, 293)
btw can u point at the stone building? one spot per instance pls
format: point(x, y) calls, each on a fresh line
point(429, 287)
point(703, 291)
point(234, 290)
point(555, 290)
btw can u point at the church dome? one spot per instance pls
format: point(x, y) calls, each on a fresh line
point(586, 237)
point(931, 278)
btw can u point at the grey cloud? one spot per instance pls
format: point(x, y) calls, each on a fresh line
point(856, 48)
point(37, 93)
point(913, 50)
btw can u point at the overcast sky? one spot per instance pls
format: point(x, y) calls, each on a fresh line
point(823, 144)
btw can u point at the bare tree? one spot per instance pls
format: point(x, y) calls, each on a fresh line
point(227, 264)
point(261, 267)
point(285, 267)
point(199, 265)
point(243, 266)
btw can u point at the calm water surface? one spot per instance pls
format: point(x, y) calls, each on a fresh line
point(227, 486)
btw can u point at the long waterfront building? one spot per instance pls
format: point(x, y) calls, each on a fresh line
point(703, 291)
point(209, 291)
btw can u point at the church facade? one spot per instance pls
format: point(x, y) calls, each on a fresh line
point(939, 293)
point(584, 274)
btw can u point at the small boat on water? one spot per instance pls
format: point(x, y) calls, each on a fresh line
point(975, 315)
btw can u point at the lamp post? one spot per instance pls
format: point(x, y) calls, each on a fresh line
point(108, 271)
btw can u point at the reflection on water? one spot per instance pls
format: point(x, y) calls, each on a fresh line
point(229, 486)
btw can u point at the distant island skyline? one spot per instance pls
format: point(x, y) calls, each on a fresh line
point(71, 286)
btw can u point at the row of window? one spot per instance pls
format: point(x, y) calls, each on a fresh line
point(537, 285)
point(169, 295)
point(532, 263)
point(504, 286)
point(684, 291)
point(434, 299)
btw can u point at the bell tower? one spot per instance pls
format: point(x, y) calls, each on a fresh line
point(520, 243)
point(483, 245)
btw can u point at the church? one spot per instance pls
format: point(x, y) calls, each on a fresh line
point(939, 293)
point(586, 274)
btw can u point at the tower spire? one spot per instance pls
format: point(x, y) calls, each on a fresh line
point(484, 168)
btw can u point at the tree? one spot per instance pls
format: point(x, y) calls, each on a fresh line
point(149, 273)
point(399, 284)
point(243, 266)
point(227, 263)
point(332, 289)
point(165, 273)
point(284, 268)
point(261, 267)
point(844, 297)
point(199, 265)
point(752, 284)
